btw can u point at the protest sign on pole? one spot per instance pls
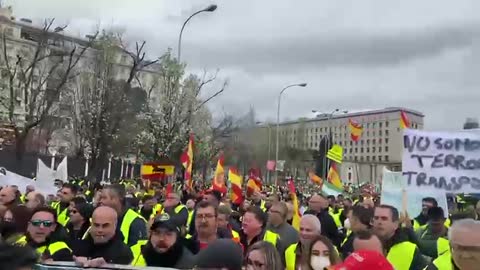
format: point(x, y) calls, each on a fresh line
point(395, 193)
point(441, 161)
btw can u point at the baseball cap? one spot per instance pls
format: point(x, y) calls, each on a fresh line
point(165, 221)
point(364, 259)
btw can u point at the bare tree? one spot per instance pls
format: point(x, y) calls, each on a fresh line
point(108, 104)
point(36, 78)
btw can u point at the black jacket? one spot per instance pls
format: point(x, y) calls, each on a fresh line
point(75, 237)
point(400, 236)
point(114, 251)
point(346, 248)
point(63, 255)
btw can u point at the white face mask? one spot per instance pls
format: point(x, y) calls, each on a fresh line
point(346, 224)
point(319, 262)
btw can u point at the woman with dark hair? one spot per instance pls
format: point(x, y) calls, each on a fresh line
point(263, 256)
point(321, 254)
point(14, 223)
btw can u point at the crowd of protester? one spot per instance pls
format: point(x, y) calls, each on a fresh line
point(127, 223)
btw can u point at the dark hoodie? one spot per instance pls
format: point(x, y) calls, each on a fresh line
point(114, 251)
point(400, 236)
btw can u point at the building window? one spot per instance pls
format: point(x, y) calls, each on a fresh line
point(316, 130)
point(368, 149)
point(350, 150)
point(356, 150)
point(351, 143)
point(368, 142)
point(373, 141)
point(361, 158)
point(386, 148)
point(368, 133)
point(379, 158)
point(386, 123)
point(386, 132)
point(386, 158)
point(380, 125)
point(380, 141)
point(361, 142)
point(361, 150)
point(379, 133)
point(373, 149)
point(373, 133)
point(368, 158)
point(373, 158)
point(386, 140)
point(379, 149)
point(356, 158)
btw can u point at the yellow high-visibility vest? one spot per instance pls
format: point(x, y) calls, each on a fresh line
point(291, 256)
point(190, 218)
point(444, 261)
point(62, 216)
point(443, 245)
point(138, 259)
point(51, 248)
point(401, 255)
point(271, 237)
point(127, 221)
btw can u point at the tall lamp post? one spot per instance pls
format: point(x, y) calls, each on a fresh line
point(327, 146)
point(210, 8)
point(278, 126)
point(269, 130)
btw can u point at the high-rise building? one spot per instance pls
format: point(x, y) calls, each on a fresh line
point(380, 144)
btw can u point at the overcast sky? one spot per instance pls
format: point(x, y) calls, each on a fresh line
point(353, 54)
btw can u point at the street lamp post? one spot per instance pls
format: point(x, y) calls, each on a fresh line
point(327, 145)
point(269, 130)
point(278, 126)
point(210, 8)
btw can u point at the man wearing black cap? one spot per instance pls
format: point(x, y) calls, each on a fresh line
point(164, 247)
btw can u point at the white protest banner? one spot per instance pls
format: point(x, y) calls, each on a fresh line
point(441, 161)
point(12, 179)
point(393, 183)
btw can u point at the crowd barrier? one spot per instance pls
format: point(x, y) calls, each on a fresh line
point(72, 266)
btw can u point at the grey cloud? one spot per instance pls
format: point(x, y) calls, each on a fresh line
point(289, 54)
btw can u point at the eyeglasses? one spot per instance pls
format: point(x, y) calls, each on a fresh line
point(255, 264)
point(45, 223)
point(204, 216)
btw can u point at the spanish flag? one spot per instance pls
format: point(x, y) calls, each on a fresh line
point(355, 130)
point(334, 177)
point(219, 178)
point(296, 210)
point(254, 182)
point(236, 186)
point(404, 121)
point(315, 178)
point(187, 162)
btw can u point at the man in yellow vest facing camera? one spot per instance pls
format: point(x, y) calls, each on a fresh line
point(401, 253)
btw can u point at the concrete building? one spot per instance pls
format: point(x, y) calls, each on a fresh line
point(379, 146)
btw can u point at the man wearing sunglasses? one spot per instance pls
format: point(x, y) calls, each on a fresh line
point(164, 247)
point(39, 236)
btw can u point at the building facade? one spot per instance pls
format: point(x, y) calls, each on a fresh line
point(379, 146)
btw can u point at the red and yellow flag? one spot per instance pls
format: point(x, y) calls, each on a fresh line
point(355, 130)
point(236, 186)
point(315, 178)
point(404, 121)
point(187, 162)
point(254, 182)
point(219, 178)
point(334, 177)
point(296, 211)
